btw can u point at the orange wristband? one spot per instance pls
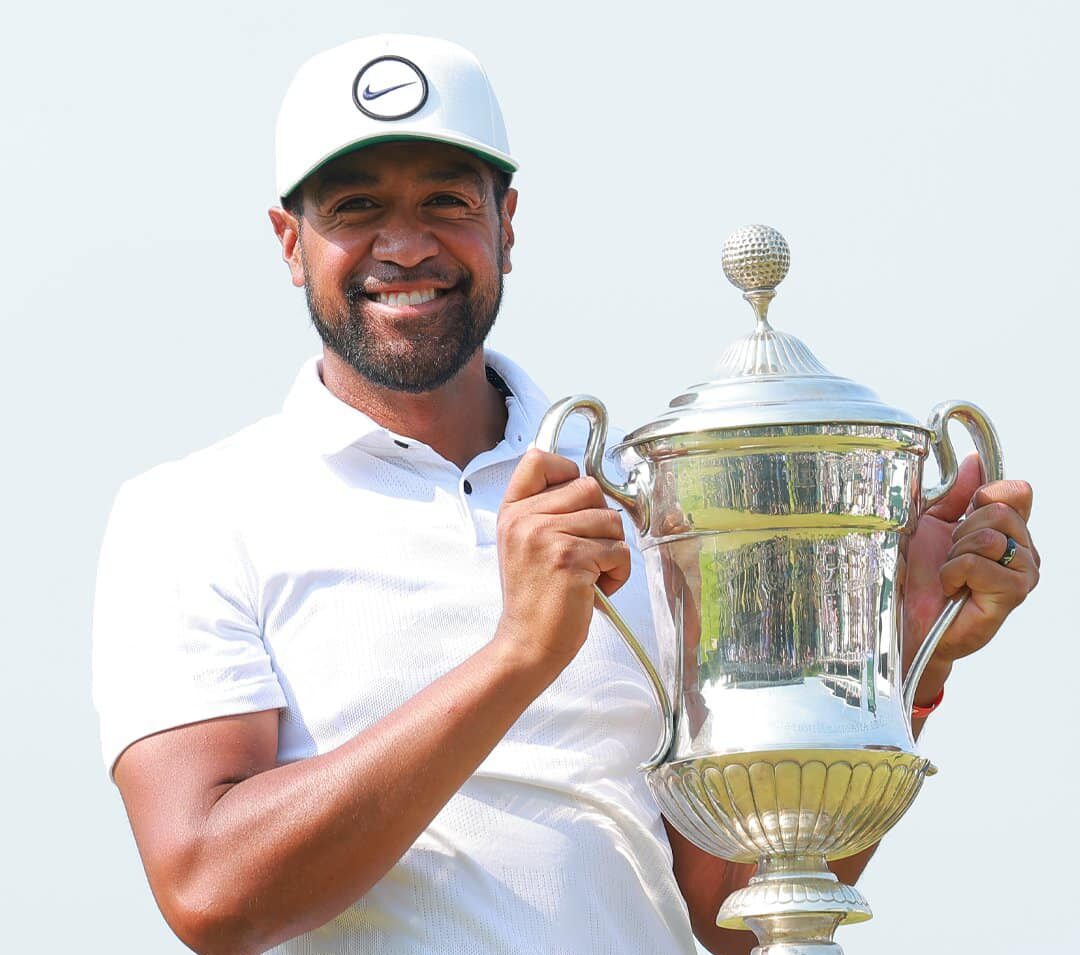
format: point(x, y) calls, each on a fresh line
point(922, 712)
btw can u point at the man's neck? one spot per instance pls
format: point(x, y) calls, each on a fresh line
point(459, 420)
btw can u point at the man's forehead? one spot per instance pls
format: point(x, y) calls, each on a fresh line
point(422, 161)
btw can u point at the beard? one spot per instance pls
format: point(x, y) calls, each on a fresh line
point(418, 360)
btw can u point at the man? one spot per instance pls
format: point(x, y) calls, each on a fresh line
point(351, 684)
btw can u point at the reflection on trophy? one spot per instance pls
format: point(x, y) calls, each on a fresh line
point(773, 505)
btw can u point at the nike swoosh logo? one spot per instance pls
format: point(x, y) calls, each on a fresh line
point(369, 95)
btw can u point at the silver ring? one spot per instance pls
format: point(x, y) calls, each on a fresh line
point(1010, 552)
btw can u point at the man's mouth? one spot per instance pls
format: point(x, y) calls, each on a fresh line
point(413, 297)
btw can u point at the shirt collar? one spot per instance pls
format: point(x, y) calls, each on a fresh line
point(330, 425)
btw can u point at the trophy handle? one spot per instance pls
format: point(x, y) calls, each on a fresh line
point(633, 495)
point(988, 447)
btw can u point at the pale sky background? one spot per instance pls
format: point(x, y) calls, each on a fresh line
point(921, 158)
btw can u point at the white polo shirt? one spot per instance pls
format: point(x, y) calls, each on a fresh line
point(318, 564)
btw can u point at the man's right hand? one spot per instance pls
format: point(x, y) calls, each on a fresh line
point(557, 539)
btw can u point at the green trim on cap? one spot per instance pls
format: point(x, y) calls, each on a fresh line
point(488, 157)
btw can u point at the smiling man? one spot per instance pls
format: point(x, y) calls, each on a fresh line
point(401, 249)
point(403, 325)
point(351, 685)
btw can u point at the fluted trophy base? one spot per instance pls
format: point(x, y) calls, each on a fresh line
point(794, 905)
point(790, 811)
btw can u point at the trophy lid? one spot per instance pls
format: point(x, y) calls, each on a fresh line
point(768, 377)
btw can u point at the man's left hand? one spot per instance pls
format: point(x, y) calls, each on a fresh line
point(945, 555)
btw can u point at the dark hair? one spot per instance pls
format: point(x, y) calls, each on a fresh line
point(501, 179)
point(293, 203)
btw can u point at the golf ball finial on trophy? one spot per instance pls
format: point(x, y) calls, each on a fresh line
point(773, 504)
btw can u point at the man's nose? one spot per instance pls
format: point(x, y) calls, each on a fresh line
point(404, 242)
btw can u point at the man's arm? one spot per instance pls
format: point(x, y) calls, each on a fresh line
point(242, 854)
point(946, 555)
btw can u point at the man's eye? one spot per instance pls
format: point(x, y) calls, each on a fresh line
point(447, 200)
point(357, 203)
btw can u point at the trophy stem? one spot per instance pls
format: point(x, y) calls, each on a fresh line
point(759, 298)
point(794, 904)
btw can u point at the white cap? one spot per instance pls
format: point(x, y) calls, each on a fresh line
point(384, 88)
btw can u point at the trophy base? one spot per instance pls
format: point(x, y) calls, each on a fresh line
point(789, 811)
point(794, 905)
point(787, 803)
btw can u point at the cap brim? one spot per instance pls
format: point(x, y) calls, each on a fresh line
point(501, 160)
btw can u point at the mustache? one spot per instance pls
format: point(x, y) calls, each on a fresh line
point(358, 290)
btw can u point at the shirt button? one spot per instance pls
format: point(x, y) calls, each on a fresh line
point(468, 487)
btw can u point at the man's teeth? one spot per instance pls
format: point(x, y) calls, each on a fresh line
point(406, 298)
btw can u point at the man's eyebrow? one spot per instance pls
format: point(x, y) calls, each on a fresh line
point(328, 182)
point(454, 173)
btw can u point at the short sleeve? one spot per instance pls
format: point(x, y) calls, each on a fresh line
point(175, 633)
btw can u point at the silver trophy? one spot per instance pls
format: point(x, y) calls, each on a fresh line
point(773, 505)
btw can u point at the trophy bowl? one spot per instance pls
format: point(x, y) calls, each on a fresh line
point(773, 505)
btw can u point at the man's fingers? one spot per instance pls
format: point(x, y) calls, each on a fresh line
point(995, 592)
point(595, 523)
point(550, 484)
point(537, 471)
point(1005, 506)
point(613, 561)
point(997, 516)
point(986, 578)
point(1016, 494)
point(992, 544)
point(575, 495)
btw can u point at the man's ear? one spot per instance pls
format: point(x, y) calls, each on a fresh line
point(506, 214)
point(287, 229)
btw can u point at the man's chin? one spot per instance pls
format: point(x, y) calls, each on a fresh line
point(403, 352)
point(411, 371)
